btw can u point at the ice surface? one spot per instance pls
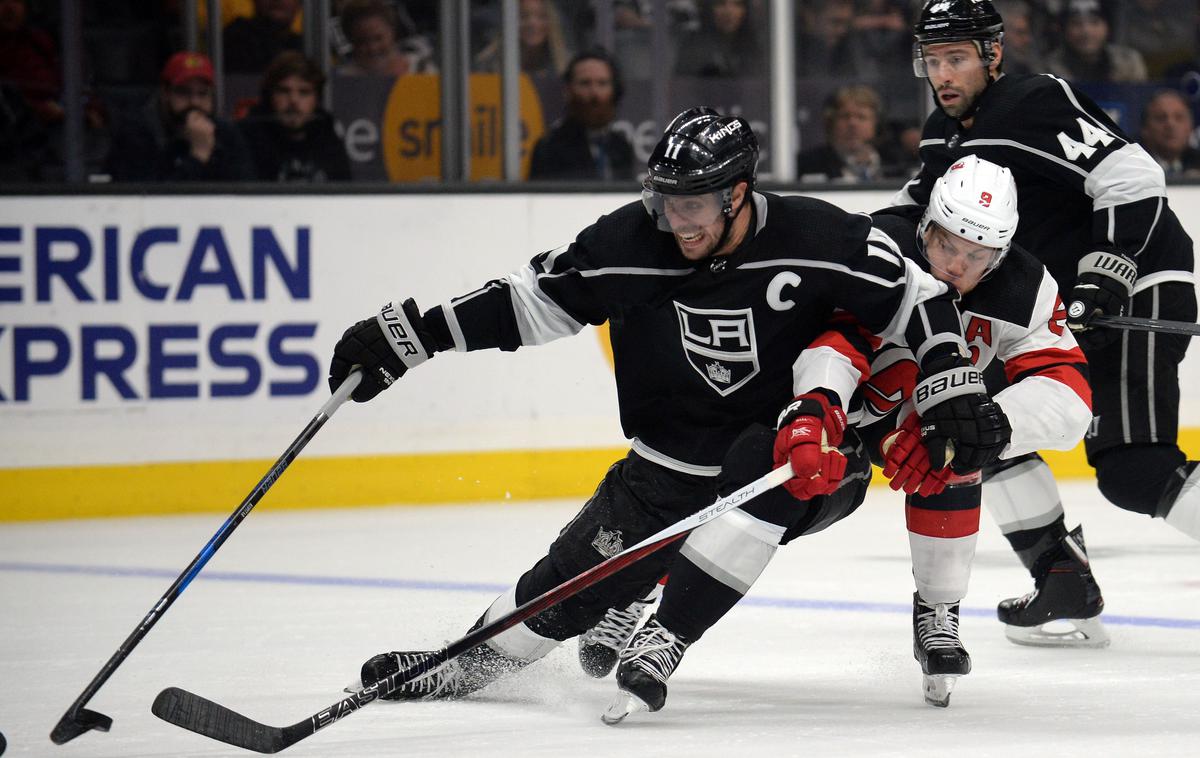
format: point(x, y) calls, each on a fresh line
point(817, 661)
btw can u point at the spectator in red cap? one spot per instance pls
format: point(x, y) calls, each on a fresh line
point(175, 137)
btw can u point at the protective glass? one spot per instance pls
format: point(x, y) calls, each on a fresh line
point(935, 62)
point(961, 262)
point(683, 213)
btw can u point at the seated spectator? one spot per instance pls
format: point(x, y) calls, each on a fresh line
point(884, 33)
point(175, 136)
point(1163, 31)
point(235, 9)
point(29, 62)
point(582, 145)
point(250, 44)
point(727, 44)
point(1022, 49)
point(1086, 54)
point(541, 39)
point(634, 32)
point(1166, 128)
point(851, 154)
point(291, 138)
point(825, 45)
point(376, 49)
point(24, 147)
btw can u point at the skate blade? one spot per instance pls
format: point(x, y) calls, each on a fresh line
point(1084, 633)
point(621, 706)
point(938, 688)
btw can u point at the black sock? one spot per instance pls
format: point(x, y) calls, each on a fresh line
point(1031, 544)
point(693, 601)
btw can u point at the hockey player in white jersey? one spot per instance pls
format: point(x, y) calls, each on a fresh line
point(711, 291)
point(1012, 317)
point(1094, 210)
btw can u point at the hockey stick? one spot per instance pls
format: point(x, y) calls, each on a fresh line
point(78, 719)
point(1148, 325)
point(190, 711)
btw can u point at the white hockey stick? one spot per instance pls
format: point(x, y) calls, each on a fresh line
point(203, 716)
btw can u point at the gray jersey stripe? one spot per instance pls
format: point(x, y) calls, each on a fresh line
point(801, 263)
point(1066, 88)
point(1150, 393)
point(1021, 146)
point(633, 271)
point(667, 461)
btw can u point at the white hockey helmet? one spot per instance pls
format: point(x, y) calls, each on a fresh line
point(977, 201)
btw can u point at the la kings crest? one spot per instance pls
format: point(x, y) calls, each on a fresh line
point(719, 344)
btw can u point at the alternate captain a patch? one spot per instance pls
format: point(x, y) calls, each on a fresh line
point(720, 345)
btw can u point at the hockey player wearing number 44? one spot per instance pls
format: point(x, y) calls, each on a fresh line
point(1012, 317)
point(711, 291)
point(1094, 210)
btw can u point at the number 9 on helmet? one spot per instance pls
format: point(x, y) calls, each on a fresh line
point(969, 224)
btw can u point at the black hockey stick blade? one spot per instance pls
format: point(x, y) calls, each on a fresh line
point(1148, 325)
point(203, 716)
point(77, 721)
point(210, 719)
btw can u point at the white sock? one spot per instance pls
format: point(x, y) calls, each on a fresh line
point(1023, 497)
point(520, 641)
point(1185, 511)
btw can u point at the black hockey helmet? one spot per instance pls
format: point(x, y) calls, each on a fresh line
point(702, 151)
point(957, 21)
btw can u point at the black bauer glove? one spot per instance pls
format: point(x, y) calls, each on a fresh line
point(385, 346)
point(1104, 286)
point(960, 424)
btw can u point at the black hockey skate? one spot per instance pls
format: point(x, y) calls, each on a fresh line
point(646, 663)
point(601, 646)
point(1064, 608)
point(456, 678)
point(938, 649)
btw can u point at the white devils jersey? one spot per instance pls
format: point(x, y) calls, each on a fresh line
point(702, 350)
point(1014, 320)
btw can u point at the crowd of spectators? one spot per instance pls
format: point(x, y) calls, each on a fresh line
point(151, 111)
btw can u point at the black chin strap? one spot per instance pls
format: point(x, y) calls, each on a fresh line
point(729, 219)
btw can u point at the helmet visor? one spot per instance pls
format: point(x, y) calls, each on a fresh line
point(683, 214)
point(928, 60)
point(960, 262)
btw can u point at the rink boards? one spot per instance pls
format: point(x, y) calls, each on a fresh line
point(157, 353)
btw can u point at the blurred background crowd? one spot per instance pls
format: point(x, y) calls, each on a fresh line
point(342, 90)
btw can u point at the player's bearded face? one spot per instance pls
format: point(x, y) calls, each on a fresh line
point(956, 261)
point(957, 74)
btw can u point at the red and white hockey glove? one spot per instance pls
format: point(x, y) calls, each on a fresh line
point(810, 430)
point(906, 461)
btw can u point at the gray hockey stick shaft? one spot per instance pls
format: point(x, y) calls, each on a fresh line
point(78, 719)
point(1148, 325)
point(211, 719)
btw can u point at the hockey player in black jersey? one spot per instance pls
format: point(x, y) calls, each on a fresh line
point(711, 291)
point(1094, 209)
point(1012, 318)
